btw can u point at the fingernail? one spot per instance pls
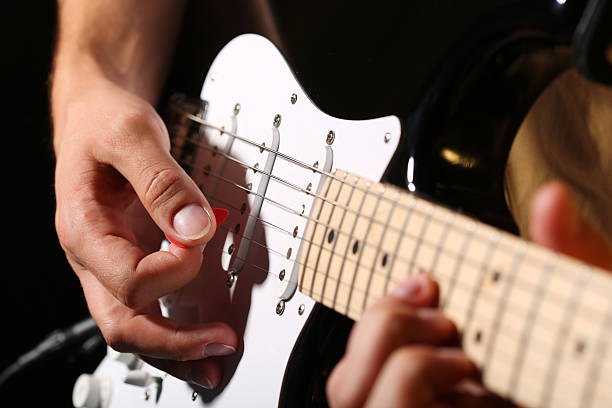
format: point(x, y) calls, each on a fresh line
point(200, 379)
point(218, 349)
point(410, 289)
point(192, 222)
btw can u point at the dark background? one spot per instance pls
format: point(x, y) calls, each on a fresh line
point(40, 292)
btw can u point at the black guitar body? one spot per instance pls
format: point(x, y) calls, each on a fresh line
point(460, 75)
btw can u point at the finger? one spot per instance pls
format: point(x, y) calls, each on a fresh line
point(140, 279)
point(418, 291)
point(151, 334)
point(388, 325)
point(140, 152)
point(418, 376)
point(556, 223)
point(206, 373)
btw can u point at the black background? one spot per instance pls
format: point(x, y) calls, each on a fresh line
point(40, 292)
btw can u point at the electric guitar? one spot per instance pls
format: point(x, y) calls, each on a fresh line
point(312, 234)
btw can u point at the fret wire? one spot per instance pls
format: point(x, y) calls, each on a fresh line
point(401, 237)
point(570, 310)
point(348, 244)
point(378, 248)
point(420, 235)
point(334, 244)
point(350, 296)
point(458, 263)
point(602, 349)
point(450, 218)
point(407, 261)
point(500, 309)
point(530, 320)
point(484, 268)
point(327, 228)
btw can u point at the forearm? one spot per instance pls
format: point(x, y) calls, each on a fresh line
point(127, 42)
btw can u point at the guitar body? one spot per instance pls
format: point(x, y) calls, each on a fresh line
point(338, 101)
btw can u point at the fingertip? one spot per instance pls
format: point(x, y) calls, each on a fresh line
point(418, 290)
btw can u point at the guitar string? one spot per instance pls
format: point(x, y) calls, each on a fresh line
point(365, 242)
point(409, 207)
point(552, 299)
point(505, 331)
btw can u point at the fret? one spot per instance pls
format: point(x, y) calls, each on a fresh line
point(468, 272)
point(573, 288)
point(496, 370)
point(458, 262)
point(414, 258)
point(469, 342)
point(341, 292)
point(376, 282)
point(598, 387)
point(336, 260)
point(363, 233)
point(313, 229)
point(328, 236)
point(407, 210)
point(530, 320)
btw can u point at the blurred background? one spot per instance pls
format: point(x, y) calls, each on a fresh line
point(40, 292)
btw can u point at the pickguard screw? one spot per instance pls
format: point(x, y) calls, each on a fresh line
point(277, 120)
point(387, 137)
point(295, 232)
point(293, 99)
point(301, 309)
point(147, 394)
point(194, 396)
point(331, 136)
point(281, 275)
point(230, 250)
point(237, 109)
point(263, 145)
point(231, 279)
point(280, 307)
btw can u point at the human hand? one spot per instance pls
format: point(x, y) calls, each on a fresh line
point(400, 353)
point(117, 188)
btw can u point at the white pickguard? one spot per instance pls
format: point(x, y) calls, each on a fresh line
point(250, 71)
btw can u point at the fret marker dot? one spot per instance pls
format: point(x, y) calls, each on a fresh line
point(355, 247)
point(496, 276)
point(330, 236)
point(384, 260)
point(478, 336)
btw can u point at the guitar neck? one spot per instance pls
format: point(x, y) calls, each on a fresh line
point(539, 324)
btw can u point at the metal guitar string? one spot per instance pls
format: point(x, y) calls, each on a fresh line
point(323, 199)
point(520, 283)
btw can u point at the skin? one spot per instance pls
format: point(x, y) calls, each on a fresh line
point(403, 352)
point(118, 188)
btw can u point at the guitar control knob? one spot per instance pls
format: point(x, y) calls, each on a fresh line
point(91, 391)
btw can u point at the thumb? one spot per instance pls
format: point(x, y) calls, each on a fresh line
point(556, 223)
point(170, 196)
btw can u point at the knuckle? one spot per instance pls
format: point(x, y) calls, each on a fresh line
point(162, 187)
point(115, 337)
point(412, 358)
